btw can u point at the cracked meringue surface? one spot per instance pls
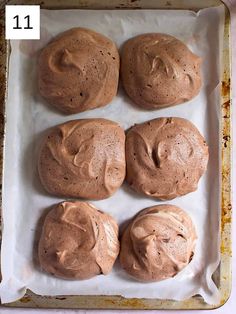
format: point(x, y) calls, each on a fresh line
point(83, 158)
point(165, 157)
point(158, 70)
point(78, 241)
point(158, 243)
point(79, 71)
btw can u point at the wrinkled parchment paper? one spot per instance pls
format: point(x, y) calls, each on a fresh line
point(28, 116)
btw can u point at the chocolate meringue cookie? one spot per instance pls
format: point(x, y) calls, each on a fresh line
point(78, 241)
point(158, 243)
point(79, 71)
point(83, 158)
point(158, 70)
point(165, 157)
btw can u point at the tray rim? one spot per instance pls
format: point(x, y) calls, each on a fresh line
point(32, 300)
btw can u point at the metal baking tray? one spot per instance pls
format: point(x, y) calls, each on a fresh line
point(222, 276)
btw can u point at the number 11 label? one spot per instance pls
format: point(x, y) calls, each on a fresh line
point(22, 21)
point(17, 22)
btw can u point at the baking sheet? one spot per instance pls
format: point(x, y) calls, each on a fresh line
point(28, 115)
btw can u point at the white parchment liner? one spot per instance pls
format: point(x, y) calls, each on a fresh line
point(28, 116)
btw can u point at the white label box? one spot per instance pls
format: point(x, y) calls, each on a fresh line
point(22, 21)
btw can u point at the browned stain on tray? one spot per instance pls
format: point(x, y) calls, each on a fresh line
point(226, 206)
point(60, 298)
point(226, 220)
point(226, 140)
point(225, 250)
point(225, 87)
point(226, 109)
point(132, 303)
point(25, 299)
point(226, 105)
point(125, 303)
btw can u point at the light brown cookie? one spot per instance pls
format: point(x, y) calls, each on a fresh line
point(83, 159)
point(79, 71)
point(78, 241)
point(158, 243)
point(165, 157)
point(158, 70)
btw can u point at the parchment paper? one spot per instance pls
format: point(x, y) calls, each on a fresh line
point(28, 116)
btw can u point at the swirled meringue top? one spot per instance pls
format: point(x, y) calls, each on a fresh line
point(159, 70)
point(79, 71)
point(83, 158)
point(165, 157)
point(78, 241)
point(158, 243)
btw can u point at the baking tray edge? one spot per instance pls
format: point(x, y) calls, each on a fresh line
point(32, 300)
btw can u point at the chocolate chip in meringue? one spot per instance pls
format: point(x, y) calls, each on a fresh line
point(78, 241)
